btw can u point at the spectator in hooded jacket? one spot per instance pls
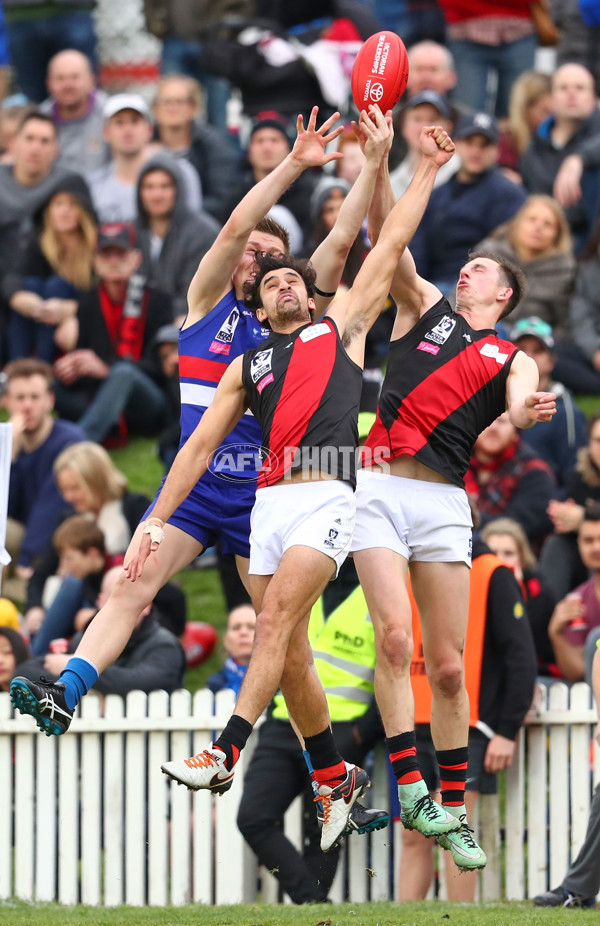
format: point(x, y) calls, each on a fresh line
point(209, 150)
point(171, 237)
point(563, 157)
point(128, 134)
point(53, 272)
point(110, 368)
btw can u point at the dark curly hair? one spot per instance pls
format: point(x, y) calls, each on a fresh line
point(266, 264)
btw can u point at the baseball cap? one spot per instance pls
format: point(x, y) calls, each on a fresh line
point(478, 124)
point(120, 101)
point(167, 334)
point(431, 97)
point(116, 235)
point(533, 327)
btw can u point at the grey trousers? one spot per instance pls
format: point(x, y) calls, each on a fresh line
point(583, 876)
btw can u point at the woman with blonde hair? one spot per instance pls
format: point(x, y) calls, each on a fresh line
point(506, 538)
point(529, 105)
point(55, 269)
point(92, 485)
point(538, 239)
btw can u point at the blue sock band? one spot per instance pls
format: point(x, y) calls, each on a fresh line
point(79, 675)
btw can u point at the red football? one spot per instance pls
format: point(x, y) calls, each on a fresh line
point(199, 640)
point(380, 71)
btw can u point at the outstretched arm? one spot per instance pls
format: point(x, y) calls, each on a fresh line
point(213, 277)
point(525, 405)
point(412, 294)
point(375, 136)
point(193, 460)
point(355, 313)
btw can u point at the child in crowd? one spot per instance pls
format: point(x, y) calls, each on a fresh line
point(79, 543)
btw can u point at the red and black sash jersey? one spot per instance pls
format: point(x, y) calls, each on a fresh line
point(304, 390)
point(445, 383)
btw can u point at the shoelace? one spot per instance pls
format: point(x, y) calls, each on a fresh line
point(202, 760)
point(427, 806)
point(325, 800)
point(465, 832)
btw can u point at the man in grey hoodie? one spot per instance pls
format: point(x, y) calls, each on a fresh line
point(171, 237)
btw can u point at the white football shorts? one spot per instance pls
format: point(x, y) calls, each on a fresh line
point(426, 522)
point(319, 515)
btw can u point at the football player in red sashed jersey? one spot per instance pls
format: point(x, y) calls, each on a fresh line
point(448, 377)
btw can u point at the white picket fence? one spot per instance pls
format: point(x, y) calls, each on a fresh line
point(89, 818)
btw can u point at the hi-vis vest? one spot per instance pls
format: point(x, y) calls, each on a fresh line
point(481, 573)
point(344, 651)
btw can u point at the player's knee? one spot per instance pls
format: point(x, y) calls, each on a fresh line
point(395, 645)
point(268, 628)
point(447, 678)
point(132, 595)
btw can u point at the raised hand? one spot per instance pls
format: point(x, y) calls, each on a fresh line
point(436, 144)
point(310, 144)
point(374, 133)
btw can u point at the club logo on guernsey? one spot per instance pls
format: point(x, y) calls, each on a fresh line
point(260, 369)
point(442, 331)
point(224, 336)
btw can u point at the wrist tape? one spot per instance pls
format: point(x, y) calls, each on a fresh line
point(152, 527)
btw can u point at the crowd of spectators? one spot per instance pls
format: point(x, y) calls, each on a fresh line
point(109, 201)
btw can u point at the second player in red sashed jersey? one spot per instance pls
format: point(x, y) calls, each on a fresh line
point(445, 383)
point(448, 378)
point(302, 523)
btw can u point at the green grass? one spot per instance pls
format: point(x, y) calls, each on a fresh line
point(589, 404)
point(373, 914)
point(139, 462)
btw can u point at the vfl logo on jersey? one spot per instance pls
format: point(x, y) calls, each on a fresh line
point(224, 336)
point(493, 351)
point(442, 331)
point(315, 331)
point(261, 364)
point(329, 542)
